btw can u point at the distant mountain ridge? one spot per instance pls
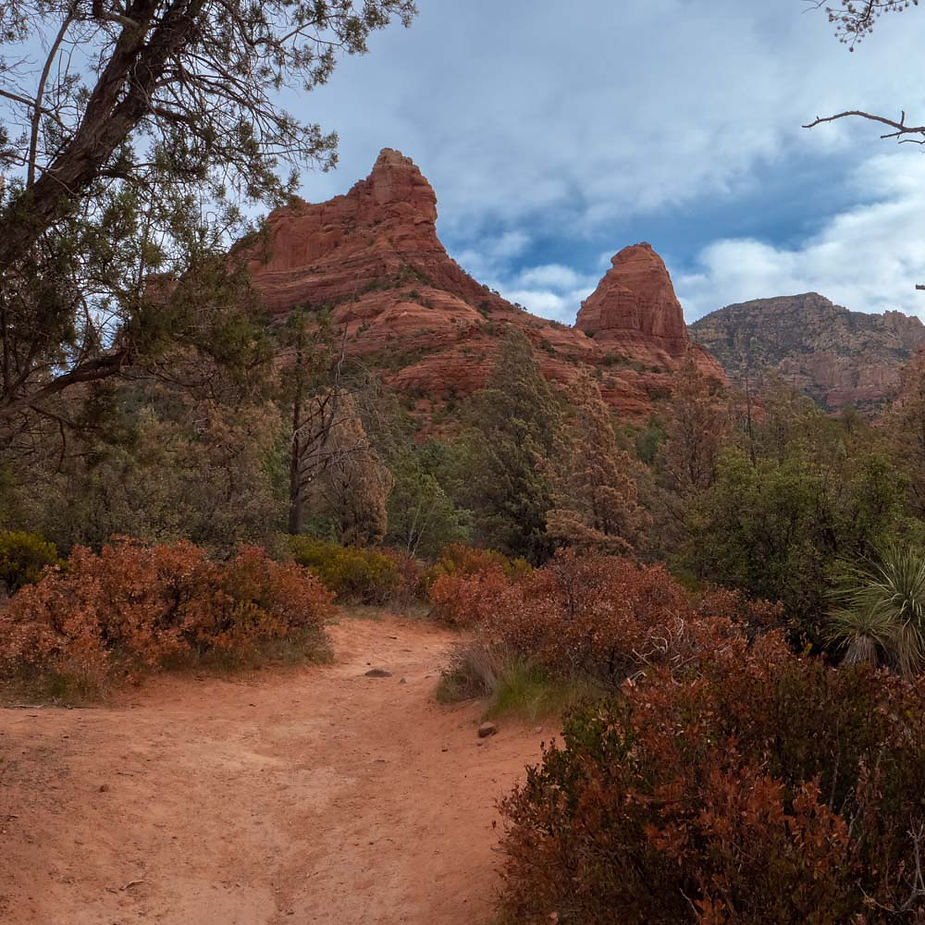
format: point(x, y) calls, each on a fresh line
point(837, 356)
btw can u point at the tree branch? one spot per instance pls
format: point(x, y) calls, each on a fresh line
point(900, 127)
point(88, 371)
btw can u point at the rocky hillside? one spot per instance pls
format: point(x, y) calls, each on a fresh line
point(374, 259)
point(837, 356)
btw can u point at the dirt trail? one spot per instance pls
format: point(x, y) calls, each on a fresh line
point(313, 795)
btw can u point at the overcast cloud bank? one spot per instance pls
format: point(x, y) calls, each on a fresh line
point(555, 136)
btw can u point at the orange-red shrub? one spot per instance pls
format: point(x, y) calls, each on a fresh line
point(589, 615)
point(467, 584)
point(460, 559)
point(471, 599)
point(760, 787)
point(135, 607)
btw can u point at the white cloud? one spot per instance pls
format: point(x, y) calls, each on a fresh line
point(586, 113)
point(550, 291)
point(545, 303)
point(867, 258)
point(570, 122)
point(554, 275)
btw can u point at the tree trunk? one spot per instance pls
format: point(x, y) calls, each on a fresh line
point(109, 119)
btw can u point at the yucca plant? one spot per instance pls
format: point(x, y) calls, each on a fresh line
point(879, 617)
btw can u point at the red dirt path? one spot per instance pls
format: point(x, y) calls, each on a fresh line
point(311, 795)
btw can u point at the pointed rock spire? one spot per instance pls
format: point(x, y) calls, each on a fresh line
point(636, 298)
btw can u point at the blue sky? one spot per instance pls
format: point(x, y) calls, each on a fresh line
point(555, 134)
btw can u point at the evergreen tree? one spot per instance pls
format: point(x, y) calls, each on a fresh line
point(593, 491)
point(146, 127)
point(506, 457)
point(422, 516)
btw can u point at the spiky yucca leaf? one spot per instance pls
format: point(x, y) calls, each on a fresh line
point(880, 615)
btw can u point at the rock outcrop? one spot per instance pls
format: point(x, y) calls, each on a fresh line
point(636, 302)
point(836, 356)
point(634, 311)
point(372, 257)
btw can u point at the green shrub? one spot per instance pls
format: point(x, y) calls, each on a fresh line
point(760, 787)
point(880, 617)
point(23, 556)
point(358, 576)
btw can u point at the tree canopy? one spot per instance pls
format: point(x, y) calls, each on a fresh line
point(131, 135)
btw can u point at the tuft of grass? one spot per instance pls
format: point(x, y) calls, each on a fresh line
point(471, 674)
point(527, 692)
point(512, 685)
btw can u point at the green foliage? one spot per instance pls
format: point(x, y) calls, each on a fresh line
point(421, 514)
point(528, 692)
point(360, 576)
point(649, 440)
point(502, 478)
point(775, 528)
point(160, 462)
point(512, 684)
point(594, 493)
point(760, 787)
point(23, 556)
point(880, 617)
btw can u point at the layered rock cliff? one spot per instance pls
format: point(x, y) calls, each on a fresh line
point(634, 311)
point(372, 257)
point(836, 356)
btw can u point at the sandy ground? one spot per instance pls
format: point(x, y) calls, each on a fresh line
point(310, 795)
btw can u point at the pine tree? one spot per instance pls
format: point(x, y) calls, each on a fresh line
point(594, 494)
point(510, 440)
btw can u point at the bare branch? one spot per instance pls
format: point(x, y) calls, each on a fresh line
point(900, 127)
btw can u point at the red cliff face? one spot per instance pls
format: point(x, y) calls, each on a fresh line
point(381, 232)
point(374, 259)
point(634, 312)
point(635, 301)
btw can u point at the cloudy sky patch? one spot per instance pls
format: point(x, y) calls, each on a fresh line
point(554, 133)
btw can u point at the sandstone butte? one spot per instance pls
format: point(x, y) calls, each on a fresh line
point(411, 313)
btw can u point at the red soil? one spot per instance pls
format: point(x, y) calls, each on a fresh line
point(311, 795)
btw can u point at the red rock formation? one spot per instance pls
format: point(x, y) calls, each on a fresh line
point(634, 312)
point(635, 302)
point(382, 233)
point(373, 257)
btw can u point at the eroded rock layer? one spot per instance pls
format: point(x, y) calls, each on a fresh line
point(837, 356)
point(373, 258)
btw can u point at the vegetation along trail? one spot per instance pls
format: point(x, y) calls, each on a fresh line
point(313, 794)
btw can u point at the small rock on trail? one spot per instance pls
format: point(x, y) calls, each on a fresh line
point(486, 730)
point(378, 673)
